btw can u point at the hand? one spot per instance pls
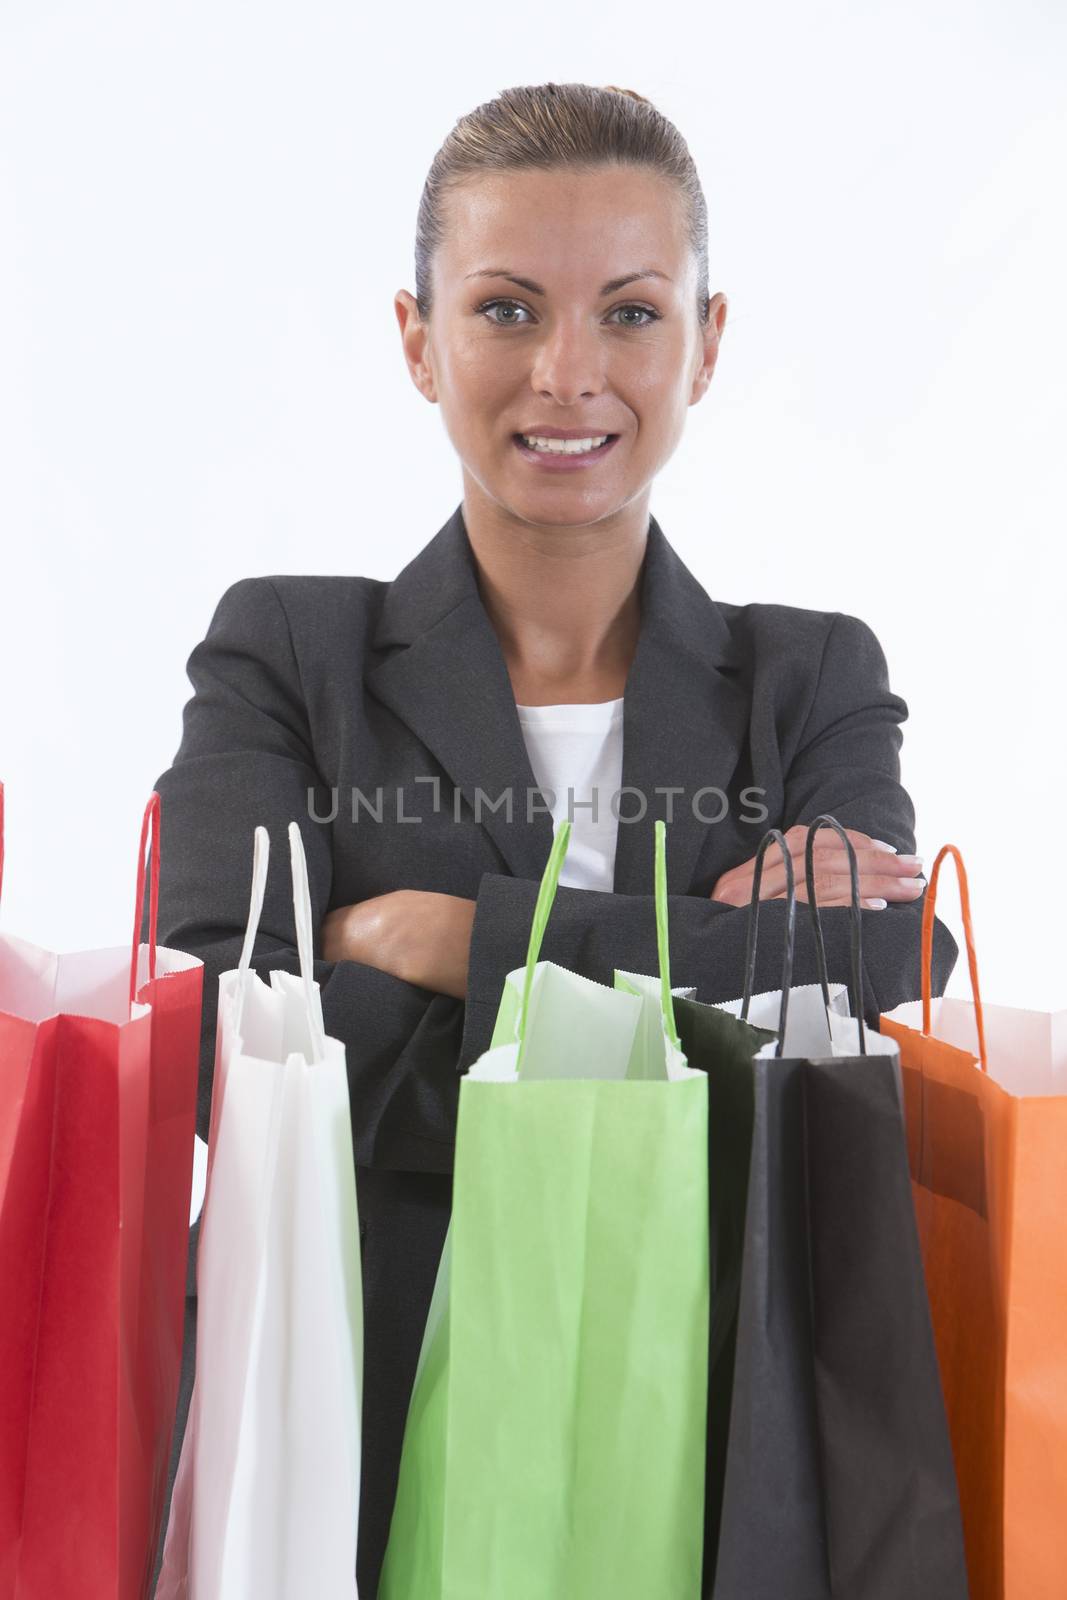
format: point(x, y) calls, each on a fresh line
point(881, 876)
point(414, 934)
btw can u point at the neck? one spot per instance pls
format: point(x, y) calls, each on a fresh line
point(563, 601)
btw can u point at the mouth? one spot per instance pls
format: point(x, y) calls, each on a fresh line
point(564, 461)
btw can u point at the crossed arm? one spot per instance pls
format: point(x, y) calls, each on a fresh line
point(424, 938)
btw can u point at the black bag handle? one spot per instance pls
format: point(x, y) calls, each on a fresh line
point(855, 919)
point(773, 835)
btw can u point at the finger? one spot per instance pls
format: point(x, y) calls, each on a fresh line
point(870, 864)
point(831, 888)
point(835, 888)
point(872, 873)
point(825, 902)
point(890, 888)
point(833, 856)
point(828, 838)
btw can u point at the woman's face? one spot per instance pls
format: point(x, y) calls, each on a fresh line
point(503, 358)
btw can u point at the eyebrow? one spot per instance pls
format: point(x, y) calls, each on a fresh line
point(535, 288)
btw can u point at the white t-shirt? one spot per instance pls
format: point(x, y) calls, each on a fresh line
point(578, 748)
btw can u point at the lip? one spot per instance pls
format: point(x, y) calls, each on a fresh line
point(565, 463)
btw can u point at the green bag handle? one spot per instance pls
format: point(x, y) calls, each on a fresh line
point(546, 894)
point(666, 999)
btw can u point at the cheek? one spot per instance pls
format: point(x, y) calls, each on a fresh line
point(648, 372)
point(472, 383)
point(474, 359)
point(661, 396)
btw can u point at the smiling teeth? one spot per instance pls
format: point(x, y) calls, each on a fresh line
point(564, 447)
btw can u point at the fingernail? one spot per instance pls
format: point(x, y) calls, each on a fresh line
point(880, 844)
point(876, 905)
point(911, 861)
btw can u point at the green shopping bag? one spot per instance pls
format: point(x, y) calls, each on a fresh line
point(555, 1440)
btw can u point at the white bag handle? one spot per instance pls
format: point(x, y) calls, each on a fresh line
point(302, 919)
point(304, 942)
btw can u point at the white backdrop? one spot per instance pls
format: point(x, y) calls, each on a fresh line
point(206, 211)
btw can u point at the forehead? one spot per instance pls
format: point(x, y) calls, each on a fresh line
point(535, 222)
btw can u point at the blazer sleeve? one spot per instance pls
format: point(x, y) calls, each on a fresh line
point(245, 758)
point(847, 764)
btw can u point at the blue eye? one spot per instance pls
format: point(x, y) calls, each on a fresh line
point(489, 305)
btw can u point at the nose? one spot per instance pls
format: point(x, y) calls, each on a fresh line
point(568, 365)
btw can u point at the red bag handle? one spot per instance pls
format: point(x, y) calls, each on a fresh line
point(151, 815)
point(968, 934)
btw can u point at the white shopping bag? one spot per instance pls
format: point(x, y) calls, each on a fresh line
point(266, 1498)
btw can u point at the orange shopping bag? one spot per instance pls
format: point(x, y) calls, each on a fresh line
point(987, 1144)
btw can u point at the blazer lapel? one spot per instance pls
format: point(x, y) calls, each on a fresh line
point(446, 678)
point(442, 672)
point(685, 719)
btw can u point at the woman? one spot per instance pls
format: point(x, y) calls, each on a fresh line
point(547, 638)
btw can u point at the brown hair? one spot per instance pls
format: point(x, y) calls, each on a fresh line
point(552, 125)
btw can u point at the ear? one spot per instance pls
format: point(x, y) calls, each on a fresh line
point(711, 334)
point(415, 337)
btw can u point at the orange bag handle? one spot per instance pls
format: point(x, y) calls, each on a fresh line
point(151, 814)
point(968, 934)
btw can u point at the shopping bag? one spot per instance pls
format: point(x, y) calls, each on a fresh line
point(99, 1055)
point(716, 1040)
point(987, 1134)
point(837, 1477)
point(266, 1496)
point(555, 1440)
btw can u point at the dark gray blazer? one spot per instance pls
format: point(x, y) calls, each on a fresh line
point(307, 688)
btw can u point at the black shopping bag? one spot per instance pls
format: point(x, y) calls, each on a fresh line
point(830, 1472)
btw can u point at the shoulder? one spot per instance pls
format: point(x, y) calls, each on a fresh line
point(304, 638)
point(784, 641)
point(300, 597)
point(303, 610)
point(803, 652)
point(813, 667)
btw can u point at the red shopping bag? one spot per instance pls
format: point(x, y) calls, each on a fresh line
point(99, 1056)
